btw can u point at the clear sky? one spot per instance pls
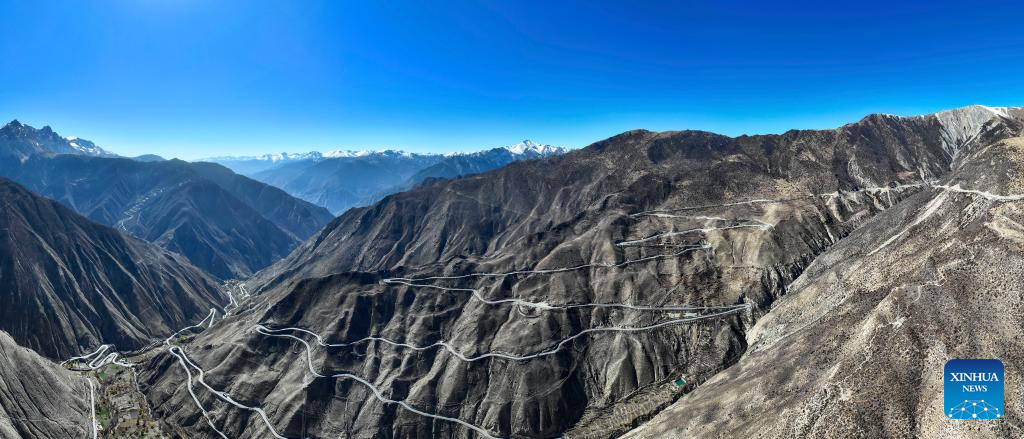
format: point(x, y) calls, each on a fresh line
point(195, 78)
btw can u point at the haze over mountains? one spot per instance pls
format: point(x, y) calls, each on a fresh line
point(227, 224)
point(652, 284)
point(339, 180)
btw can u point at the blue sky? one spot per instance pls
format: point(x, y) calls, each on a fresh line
point(195, 78)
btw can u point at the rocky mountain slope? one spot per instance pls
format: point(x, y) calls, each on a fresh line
point(564, 296)
point(224, 223)
point(68, 284)
point(38, 398)
point(857, 347)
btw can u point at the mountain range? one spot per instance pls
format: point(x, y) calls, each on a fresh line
point(68, 283)
point(652, 284)
point(339, 180)
point(20, 141)
point(228, 225)
point(677, 276)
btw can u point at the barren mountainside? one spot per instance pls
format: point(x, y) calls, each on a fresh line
point(38, 398)
point(68, 285)
point(857, 347)
point(564, 296)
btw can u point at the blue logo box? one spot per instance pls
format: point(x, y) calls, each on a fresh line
point(973, 389)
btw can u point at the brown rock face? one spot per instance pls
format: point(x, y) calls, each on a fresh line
point(565, 296)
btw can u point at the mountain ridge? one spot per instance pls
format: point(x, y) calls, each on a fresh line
point(588, 282)
point(70, 284)
point(229, 225)
point(639, 286)
point(357, 179)
point(518, 148)
point(20, 141)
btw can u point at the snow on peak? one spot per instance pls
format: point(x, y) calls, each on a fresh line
point(86, 147)
point(347, 153)
point(285, 156)
point(274, 157)
point(312, 155)
point(365, 153)
point(528, 146)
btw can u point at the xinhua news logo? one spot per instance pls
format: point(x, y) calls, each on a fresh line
point(973, 389)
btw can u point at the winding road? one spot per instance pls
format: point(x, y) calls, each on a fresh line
point(97, 360)
point(504, 355)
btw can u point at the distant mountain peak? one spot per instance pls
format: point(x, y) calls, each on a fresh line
point(273, 157)
point(527, 146)
point(21, 141)
point(366, 153)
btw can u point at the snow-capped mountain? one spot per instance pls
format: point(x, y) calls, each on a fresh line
point(460, 164)
point(85, 147)
point(341, 179)
point(283, 157)
point(249, 165)
point(531, 147)
point(366, 153)
point(252, 164)
point(272, 158)
point(23, 141)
